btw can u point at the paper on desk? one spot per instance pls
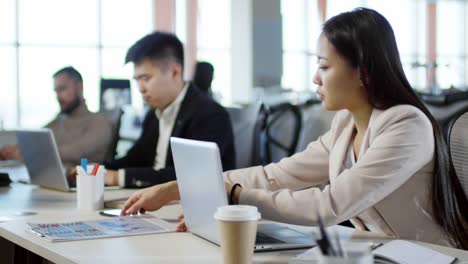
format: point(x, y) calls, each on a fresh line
point(5, 219)
point(395, 251)
point(400, 251)
point(311, 256)
point(102, 228)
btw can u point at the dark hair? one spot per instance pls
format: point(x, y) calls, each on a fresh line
point(157, 46)
point(71, 72)
point(365, 38)
point(203, 76)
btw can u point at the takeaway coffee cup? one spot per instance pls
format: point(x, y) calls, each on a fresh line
point(238, 229)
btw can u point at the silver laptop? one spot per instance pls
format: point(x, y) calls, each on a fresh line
point(42, 160)
point(200, 178)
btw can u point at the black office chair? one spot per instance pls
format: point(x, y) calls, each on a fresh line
point(458, 146)
point(281, 131)
point(316, 121)
point(114, 117)
point(203, 76)
point(244, 121)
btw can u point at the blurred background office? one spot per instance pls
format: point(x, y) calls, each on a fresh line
point(259, 49)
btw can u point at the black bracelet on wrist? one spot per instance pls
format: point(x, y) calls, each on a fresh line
point(231, 194)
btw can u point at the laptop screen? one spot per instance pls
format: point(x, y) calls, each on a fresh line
point(201, 185)
point(42, 159)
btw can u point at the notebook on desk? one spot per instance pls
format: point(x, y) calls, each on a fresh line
point(201, 186)
point(393, 252)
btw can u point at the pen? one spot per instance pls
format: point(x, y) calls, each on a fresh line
point(98, 172)
point(95, 169)
point(326, 246)
point(375, 246)
point(36, 233)
point(339, 248)
point(84, 164)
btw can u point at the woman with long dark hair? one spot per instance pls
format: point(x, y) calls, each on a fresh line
point(384, 158)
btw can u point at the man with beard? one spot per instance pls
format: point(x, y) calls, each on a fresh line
point(78, 132)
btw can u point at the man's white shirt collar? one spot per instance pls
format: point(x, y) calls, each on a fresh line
point(173, 108)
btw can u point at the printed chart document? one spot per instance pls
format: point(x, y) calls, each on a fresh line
point(108, 227)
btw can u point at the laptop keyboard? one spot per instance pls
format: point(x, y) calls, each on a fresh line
point(264, 239)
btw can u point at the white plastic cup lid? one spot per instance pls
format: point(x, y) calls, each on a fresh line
point(237, 213)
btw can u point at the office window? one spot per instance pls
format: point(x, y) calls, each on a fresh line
point(335, 7)
point(57, 22)
point(451, 44)
point(91, 35)
point(301, 29)
point(133, 19)
point(214, 42)
point(7, 21)
point(124, 22)
point(36, 83)
point(181, 20)
point(408, 20)
point(8, 103)
point(465, 30)
point(294, 44)
point(113, 63)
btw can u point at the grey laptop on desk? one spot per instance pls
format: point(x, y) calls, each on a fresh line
point(41, 157)
point(201, 186)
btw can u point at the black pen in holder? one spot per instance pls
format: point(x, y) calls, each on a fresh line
point(324, 242)
point(348, 253)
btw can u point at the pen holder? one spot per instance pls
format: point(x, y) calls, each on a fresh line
point(90, 192)
point(353, 253)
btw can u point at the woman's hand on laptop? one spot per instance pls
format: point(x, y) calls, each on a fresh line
point(151, 199)
point(235, 196)
point(181, 227)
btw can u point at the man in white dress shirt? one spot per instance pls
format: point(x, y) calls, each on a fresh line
point(178, 109)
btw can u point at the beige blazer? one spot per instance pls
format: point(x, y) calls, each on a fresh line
point(387, 190)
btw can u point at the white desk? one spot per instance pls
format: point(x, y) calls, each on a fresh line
point(158, 248)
